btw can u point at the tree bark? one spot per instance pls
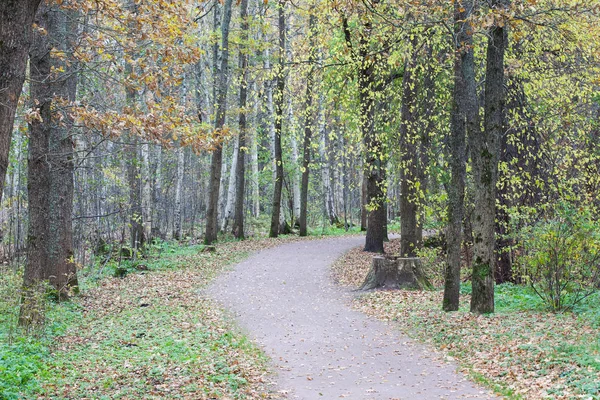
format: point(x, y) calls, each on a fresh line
point(374, 168)
point(485, 154)
point(409, 196)
point(230, 199)
point(212, 225)
point(464, 122)
point(50, 174)
point(238, 222)
point(309, 124)
point(178, 193)
point(15, 39)
point(396, 273)
point(278, 184)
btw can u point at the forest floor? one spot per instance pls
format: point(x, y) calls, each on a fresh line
point(521, 351)
point(158, 333)
point(147, 335)
point(285, 299)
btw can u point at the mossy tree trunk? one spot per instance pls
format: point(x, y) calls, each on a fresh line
point(485, 154)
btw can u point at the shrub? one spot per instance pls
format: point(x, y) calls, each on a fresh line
point(561, 256)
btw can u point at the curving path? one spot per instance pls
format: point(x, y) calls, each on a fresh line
point(284, 299)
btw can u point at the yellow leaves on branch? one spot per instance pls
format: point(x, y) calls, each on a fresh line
point(140, 47)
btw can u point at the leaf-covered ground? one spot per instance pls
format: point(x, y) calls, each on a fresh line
point(151, 335)
point(521, 351)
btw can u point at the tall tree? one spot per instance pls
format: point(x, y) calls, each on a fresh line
point(238, 220)
point(132, 149)
point(409, 196)
point(178, 193)
point(464, 122)
point(309, 124)
point(280, 79)
point(15, 39)
point(374, 166)
point(212, 225)
point(50, 174)
point(485, 153)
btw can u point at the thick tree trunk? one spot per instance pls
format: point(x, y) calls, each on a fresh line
point(464, 121)
point(374, 167)
point(409, 196)
point(212, 226)
point(396, 273)
point(240, 172)
point(485, 153)
point(15, 38)
point(50, 174)
point(278, 184)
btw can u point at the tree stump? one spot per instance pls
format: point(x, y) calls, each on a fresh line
point(394, 272)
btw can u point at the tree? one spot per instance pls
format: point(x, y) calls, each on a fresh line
point(485, 152)
point(50, 184)
point(238, 223)
point(212, 225)
point(464, 122)
point(15, 38)
point(280, 87)
point(309, 124)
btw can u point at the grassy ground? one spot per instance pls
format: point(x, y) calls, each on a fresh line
point(521, 351)
point(148, 335)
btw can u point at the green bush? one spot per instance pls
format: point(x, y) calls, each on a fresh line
point(561, 256)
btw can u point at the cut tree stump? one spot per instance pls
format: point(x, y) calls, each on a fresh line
point(394, 272)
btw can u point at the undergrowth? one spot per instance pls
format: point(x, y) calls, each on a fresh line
point(523, 350)
point(147, 334)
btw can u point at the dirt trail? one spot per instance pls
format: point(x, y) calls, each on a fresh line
point(322, 349)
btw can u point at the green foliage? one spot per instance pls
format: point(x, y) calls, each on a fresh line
point(561, 256)
point(24, 354)
point(434, 264)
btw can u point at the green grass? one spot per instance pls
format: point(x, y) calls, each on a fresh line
point(149, 335)
point(521, 346)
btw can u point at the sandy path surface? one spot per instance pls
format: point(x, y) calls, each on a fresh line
point(322, 349)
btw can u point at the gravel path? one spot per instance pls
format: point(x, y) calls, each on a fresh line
point(322, 349)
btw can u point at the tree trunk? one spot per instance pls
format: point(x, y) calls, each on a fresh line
point(240, 172)
point(396, 273)
point(363, 201)
point(229, 202)
point(178, 193)
point(278, 184)
point(137, 238)
point(50, 174)
point(485, 154)
point(409, 196)
point(146, 191)
point(295, 173)
point(308, 128)
point(374, 168)
point(212, 225)
point(15, 38)
point(464, 122)
point(157, 196)
point(326, 169)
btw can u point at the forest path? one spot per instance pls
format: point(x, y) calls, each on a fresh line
point(284, 299)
